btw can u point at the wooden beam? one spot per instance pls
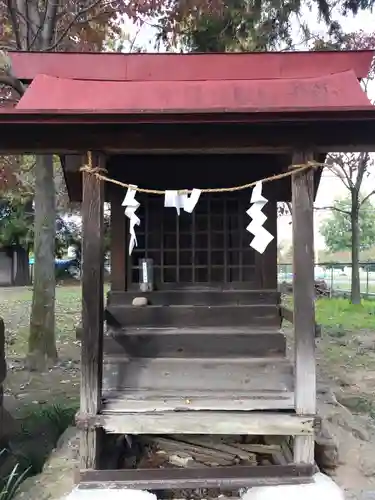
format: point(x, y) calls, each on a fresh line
point(75, 137)
point(92, 309)
point(119, 250)
point(228, 478)
point(202, 422)
point(304, 309)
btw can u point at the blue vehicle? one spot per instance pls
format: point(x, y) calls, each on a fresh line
point(69, 266)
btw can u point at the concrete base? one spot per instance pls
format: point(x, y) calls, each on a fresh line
point(323, 488)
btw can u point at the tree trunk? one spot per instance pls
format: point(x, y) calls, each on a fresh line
point(22, 271)
point(42, 345)
point(356, 283)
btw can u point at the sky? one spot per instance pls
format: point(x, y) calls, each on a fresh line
point(330, 186)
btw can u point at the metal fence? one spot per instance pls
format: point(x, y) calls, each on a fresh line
point(337, 276)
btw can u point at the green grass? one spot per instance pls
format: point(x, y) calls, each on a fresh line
point(43, 403)
point(339, 314)
point(15, 305)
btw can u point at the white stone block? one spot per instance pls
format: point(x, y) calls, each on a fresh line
point(322, 488)
point(109, 494)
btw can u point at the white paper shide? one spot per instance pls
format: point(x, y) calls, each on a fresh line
point(181, 200)
point(132, 206)
point(262, 237)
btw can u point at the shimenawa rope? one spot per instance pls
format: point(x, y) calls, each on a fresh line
point(293, 169)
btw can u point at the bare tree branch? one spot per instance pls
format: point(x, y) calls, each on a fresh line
point(367, 197)
point(15, 26)
point(20, 8)
point(62, 35)
point(339, 170)
point(346, 212)
point(36, 38)
point(34, 18)
point(362, 165)
point(50, 19)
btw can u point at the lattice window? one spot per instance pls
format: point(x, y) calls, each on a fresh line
point(210, 246)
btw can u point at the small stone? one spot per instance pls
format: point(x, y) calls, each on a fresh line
point(140, 301)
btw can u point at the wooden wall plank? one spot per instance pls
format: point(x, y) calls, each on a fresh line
point(92, 309)
point(119, 240)
point(304, 307)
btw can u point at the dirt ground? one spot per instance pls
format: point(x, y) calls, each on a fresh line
point(346, 383)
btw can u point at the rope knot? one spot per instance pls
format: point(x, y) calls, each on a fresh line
point(93, 170)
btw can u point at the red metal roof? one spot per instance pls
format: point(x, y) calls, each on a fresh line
point(183, 67)
point(330, 92)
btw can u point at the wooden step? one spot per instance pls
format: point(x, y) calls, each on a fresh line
point(148, 401)
point(195, 342)
point(194, 316)
point(198, 297)
point(189, 376)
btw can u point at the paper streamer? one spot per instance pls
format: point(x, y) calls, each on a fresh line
point(262, 237)
point(184, 201)
point(131, 205)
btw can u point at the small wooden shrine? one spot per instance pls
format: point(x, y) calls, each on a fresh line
point(205, 354)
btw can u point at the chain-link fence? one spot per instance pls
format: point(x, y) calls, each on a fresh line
point(337, 276)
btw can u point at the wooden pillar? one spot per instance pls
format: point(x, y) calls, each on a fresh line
point(266, 263)
point(304, 306)
point(119, 240)
point(92, 309)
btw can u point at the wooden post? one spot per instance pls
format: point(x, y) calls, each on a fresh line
point(304, 307)
point(119, 240)
point(92, 309)
point(266, 263)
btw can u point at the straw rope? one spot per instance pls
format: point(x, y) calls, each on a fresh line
point(292, 170)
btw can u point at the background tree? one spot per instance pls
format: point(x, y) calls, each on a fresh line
point(337, 228)
point(48, 26)
point(352, 169)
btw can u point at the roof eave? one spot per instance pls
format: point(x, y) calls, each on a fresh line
point(144, 117)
